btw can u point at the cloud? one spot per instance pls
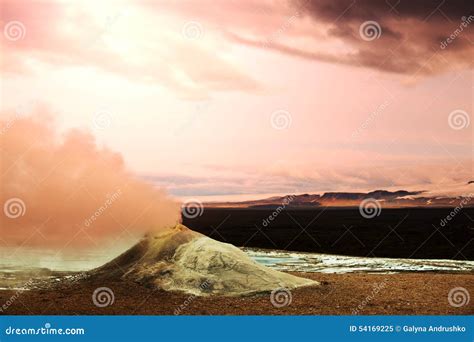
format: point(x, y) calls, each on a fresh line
point(410, 37)
point(144, 41)
point(410, 40)
point(120, 39)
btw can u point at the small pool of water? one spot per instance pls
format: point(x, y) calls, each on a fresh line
point(326, 263)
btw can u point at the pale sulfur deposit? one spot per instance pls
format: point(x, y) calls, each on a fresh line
point(180, 259)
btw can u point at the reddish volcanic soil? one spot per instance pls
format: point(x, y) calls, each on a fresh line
point(339, 294)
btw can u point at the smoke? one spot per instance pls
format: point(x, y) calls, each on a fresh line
point(65, 191)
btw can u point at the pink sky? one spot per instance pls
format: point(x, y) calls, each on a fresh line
point(191, 92)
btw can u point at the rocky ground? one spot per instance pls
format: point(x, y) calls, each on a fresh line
point(338, 294)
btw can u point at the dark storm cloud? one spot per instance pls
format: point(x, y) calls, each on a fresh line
point(416, 37)
point(356, 10)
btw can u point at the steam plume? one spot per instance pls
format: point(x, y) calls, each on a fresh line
point(64, 190)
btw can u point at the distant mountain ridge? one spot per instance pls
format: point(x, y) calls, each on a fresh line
point(394, 199)
point(377, 194)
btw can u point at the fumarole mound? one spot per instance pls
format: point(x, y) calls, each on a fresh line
point(179, 259)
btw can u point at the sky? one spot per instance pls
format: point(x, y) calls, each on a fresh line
point(244, 99)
